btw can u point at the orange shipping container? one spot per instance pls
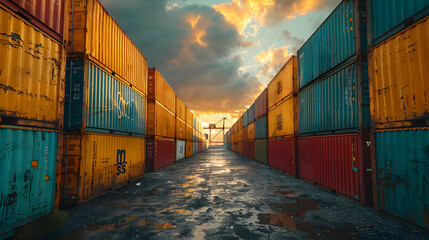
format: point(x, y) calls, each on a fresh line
point(189, 116)
point(240, 123)
point(282, 119)
point(161, 91)
point(32, 72)
point(251, 131)
point(189, 131)
point(96, 163)
point(180, 129)
point(93, 32)
point(284, 83)
point(399, 84)
point(160, 121)
point(240, 135)
point(180, 109)
point(188, 148)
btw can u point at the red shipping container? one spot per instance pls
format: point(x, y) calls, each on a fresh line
point(249, 149)
point(282, 155)
point(160, 153)
point(261, 105)
point(338, 162)
point(240, 148)
point(47, 15)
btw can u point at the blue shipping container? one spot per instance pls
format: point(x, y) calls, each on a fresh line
point(251, 114)
point(331, 104)
point(111, 105)
point(388, 17)
point(28, 161)
point(245, 121)
point(331, 44)
point(261, 128)
point(402, 172)
point(194, 147)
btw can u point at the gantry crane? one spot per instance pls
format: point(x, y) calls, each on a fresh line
point(222, 129)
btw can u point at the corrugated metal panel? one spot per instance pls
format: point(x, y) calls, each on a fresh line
point(180, 129)
point(245, 132)
point(240, 123)
point(240, 135)
point(249, 149)
point(261, 151)
point(284, 83)
point(180, 149)
point(163, 92)
point(164, 121)
point(330, 104)
point(46, 14)
point(281, 119)
point(251, 114)
point(282, 155)
point(97, 34)
point(240, 148)
point(261, 104)
point(96, 163)
point(189, 116)
point(180, 109)
point(331, 161)
point(165, 153)
point(105, 102)
point(399, 79)
point(194, 148)
point(402, 173)
point(31, 76)
point(251, 131)
point(245, 119)
point(188, 132)
point(27, 179)
point(331, 44)
point(261, 128)
point(188, 148)
point(388, 17)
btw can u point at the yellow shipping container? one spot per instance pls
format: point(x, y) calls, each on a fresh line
point(189, 116)
point(188, 132)
point(180, 109)
point(95, 33)
point(240, 123)
point(32, 72)
point(251, 131)
point(96, 163)
point(180, 129)
point(160, 121)
point(399, 84)
point(284, 83)
point(188, 148)
point(282, 118)
point(163, 92)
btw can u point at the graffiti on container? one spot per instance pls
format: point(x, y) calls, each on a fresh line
point(124, 108)
point(121, 162)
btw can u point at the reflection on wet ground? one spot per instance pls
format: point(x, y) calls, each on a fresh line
point(221, 195)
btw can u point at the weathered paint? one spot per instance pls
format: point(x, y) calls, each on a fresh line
point(240, 148)
point(249, 149)
point(330, 104)
point(402, 173)
point(93, 163)
point(93, 32)
point(240, 123)
point(388, 17)
point(284, 84)
point(251, 131)
point(180, 109)
point(31, 73)
point(188, 150)
point(27, 179)
point(180, 129)
point(330, 45)
point(180, 149)
point(261, 151)
point(281, 118)
point(245, 132)
point(399, 79)
point(97, 101)
point(282, 155)
point(161, 92)
point(261, 128)
point(261, 104)
point(251, 114)
point(45, 14)
point(165, 152)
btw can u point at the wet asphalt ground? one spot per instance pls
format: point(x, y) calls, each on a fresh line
point(219, 194)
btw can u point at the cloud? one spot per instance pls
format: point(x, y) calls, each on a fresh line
point(192, 46)
point(272, 60)
point(293, 41)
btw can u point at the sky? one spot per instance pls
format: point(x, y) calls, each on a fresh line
point(219, 55)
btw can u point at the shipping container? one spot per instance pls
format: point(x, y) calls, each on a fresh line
point(28, 159)
point(281, 118)
point(200, 147)
point(388, 17)
point(337, 162)
point(402, 169)
point(188, 132)
point(99, 102)
point(159, 90)
point(94, 33)
point(282, 155)
point(163, 152)
point(261, 151)
point(240, 148)
point(251, 131)
point(261, 104)
point(180, 149)
point(399, 79)
point(32, 74)
point(245, 133)
point(249, 149)
point(94, 163)
point(251, 114)
point(195, 148)
point(240, 135)
point(240, 123)
point(189, 146)
point(180, 109)
point(189, 116)
point(245, 120)
point(284, 84)
point(49, 16)
point(261, 126)
point(335, 43)
point(180, 129)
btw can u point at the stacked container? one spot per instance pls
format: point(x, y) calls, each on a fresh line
point(161, 122)
point(249, 132)
point(399, 90)
point(104, 143)
point(283, 118)
point(32, 79)
point(334, 119)
point(180, 129)
point(261, 128)
point(189, 132)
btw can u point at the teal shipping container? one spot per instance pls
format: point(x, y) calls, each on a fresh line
point(28, 161)
point(261, 128)
point(96, 101)
point(388, 17)
point(251, 114)
point(402, 164)
point(245, 118)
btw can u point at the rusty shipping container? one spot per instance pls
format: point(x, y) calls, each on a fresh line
point(261, 104)
point(282, 155)
point(28, 159)
point(93, 163)
point(160, 90)
point(93, 33)
point(47, 15)
point(284, 84)
point(337, 162)
point(251, 131)
point(245, 132)
point(189, 146)
point(249, 149)
point(261, 151)
point(161, 152)
point(32, 74)
point(399, 85)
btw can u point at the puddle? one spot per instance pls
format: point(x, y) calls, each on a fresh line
point(129, 219)
point(164, 226)
point(118, 204)
point(181, 211)
point(143, 223)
